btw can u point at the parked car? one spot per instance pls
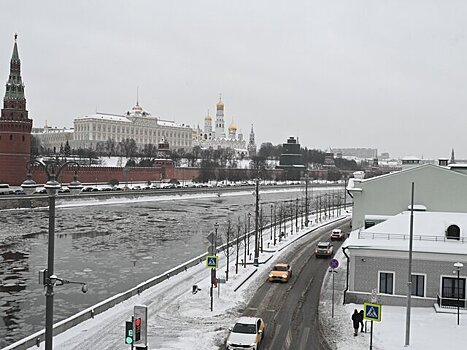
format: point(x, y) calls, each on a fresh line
point(280, 272)
point(19, 192)
point(5, 189)
point(246, 334)
point(337, 235)
point(324, 249)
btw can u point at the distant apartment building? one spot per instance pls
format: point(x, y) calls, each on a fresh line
point(364, 153)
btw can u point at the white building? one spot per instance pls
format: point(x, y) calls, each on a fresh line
point(53, 138)
point(378, 260)
point(436, 188)
point(136, 124)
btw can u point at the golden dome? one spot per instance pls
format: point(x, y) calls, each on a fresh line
point(208, 117)
point(220, 103)
point(232, 127)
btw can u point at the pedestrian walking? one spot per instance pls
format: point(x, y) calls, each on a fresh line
point(356, 322)
point(360, 315)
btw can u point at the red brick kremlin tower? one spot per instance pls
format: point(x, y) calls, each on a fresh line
point(15, 127)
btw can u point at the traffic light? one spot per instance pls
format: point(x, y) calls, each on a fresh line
point(137, 329)
point(128, 332)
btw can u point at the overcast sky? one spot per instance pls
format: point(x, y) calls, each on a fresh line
point(387, 74)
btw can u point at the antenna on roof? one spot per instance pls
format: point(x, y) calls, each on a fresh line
point(137, 95)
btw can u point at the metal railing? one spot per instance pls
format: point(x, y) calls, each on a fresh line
point(450, 303)
point(406, 236)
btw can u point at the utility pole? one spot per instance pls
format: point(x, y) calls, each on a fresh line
point(255, 262)
point(275, 224)
point(271, 224)
point(244, 244)
point(261, 226)
point(306, 199)
point(296, 214)
point(409, 281)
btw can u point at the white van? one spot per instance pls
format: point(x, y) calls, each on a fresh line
point(5, 189)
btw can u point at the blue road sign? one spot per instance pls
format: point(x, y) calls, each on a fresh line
point(333, 263)
point(212, 261)
point(372, 312)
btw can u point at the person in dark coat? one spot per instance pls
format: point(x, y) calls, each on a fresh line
point(355, 321)
point(360, 315)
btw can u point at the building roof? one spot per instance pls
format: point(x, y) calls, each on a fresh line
point(354, 183)
point(429, 233)
point(104, 116)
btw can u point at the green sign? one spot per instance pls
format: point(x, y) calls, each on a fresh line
point(128, 332)
point(212, 261)
point(372, 312)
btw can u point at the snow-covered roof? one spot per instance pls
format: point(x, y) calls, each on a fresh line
point(171, 124)
point(109, 117)
point(457, 165)
point(420, 167)
point(429, 233)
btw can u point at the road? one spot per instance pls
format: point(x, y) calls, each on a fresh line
point(290, 310)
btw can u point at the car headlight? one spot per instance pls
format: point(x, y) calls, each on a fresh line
point(271, 275)
point(229, 342)
point(284, 276)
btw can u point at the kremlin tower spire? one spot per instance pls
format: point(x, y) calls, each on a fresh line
point(15, 126)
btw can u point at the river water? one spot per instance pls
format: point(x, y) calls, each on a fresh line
point(110, 246)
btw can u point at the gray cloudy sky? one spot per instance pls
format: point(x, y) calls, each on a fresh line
point(387, 74)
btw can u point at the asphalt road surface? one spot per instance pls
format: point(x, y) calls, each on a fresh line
point(290, 310)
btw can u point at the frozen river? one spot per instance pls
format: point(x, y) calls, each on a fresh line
point(112, 247)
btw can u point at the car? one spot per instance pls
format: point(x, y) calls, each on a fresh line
point(337, 235)
point(324, 249)
point(246, 334)
point(280, 272)
point(19, 192)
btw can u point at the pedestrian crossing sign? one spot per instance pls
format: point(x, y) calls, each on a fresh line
point(212, 261)
point(372, 312)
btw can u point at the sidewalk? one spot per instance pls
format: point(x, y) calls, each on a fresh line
point(429, 329)
point(178, 319)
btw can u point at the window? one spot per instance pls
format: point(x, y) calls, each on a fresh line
point(453, 288)
point(386, 282)
point(418, 285)
point(453, 232)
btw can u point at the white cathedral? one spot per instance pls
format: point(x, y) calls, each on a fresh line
point(217, 138)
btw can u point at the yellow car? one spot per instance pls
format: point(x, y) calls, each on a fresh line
point(280, 272)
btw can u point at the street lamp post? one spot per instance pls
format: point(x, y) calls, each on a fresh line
point(213, 271)
point(248, 235)
point(255, 262)
point(271, 224)
point(458, 267)
point(275, 224)
point(296, 214)
point(49, 279)
point(306, 199)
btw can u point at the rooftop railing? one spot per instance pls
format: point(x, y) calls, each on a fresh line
point(406, 236)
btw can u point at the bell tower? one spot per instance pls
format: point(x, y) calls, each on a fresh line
point(15, 127)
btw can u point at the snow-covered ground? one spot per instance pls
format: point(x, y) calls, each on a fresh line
point(178, 319)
